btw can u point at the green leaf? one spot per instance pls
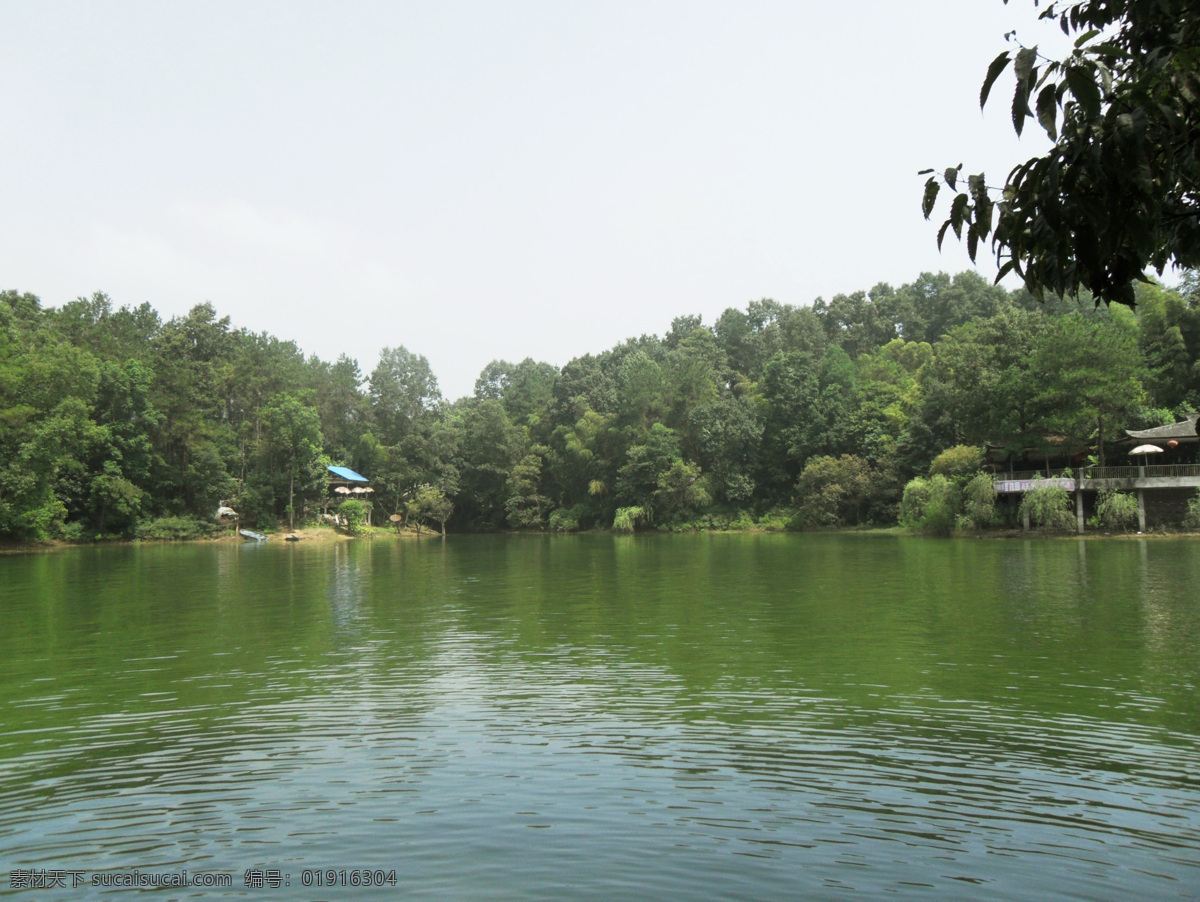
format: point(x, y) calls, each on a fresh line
point(931, 192)
point(1047, 111)
point(972, 241)
point(1085, 37)
point(998, 65)
point(951, 176)
point(1020, 109)
point(942, 233)
point(958, 212)
point(1008, 267)
point(1083, 85)
point(1026, 58)
point(983, 204)
point(1026, 81)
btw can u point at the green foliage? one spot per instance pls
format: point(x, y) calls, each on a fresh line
point(256, 504)
point(931, 506)
point(959, 463)
point(1115, 194)
point(774, 520)
point(718, 521)
point(681, 492)
point(1116, 510)
point(833, 491)
point(404, 393)
point(354, 514)
point(1048, 506)
point(1191, 519)
point(646, 461)
point(115, 499)
point(979, 503)
point(486, 447)
point(111, 418)
point(525, 389)
point(627, 518)
point(726, 435)
point(568, 519)
point(1090, 374)
point(290, 445)
point(526, 507)
point(430, 503)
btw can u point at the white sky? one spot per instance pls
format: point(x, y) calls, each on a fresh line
point(483, 180)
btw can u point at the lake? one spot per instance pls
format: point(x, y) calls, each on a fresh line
point(604, 717)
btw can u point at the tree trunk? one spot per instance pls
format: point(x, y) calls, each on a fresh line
point(292, 497)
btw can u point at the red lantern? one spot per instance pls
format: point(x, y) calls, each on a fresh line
point(1172, 443)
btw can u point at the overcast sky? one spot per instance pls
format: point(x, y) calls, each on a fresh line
point(484, 180)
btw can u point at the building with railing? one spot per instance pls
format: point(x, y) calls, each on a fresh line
point(1166, 486)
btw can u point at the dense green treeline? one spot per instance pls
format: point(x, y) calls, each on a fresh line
point(116, 423)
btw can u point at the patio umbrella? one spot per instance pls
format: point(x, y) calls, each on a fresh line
point(342, 490)
point(1145, 450)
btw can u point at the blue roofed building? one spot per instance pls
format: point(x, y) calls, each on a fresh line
point(346, 476)
point(344, 482)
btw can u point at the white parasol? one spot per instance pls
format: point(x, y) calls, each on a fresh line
point(1144, 450)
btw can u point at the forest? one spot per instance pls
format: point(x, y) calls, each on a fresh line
point(117, 424)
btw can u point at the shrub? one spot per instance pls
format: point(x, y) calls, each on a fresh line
point(354, 513)
point(942, 508)
point(256, 504)
point(979, 503)
point(1116, 510)
point(774, 520)
point(626, 518)
point(1049, 507)
point(913, 501)
point(1191, 519)
point(72, 532)
point(722, 520)
point(565, 519)
point(931, 505)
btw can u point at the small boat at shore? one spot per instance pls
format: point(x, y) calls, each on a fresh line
point(251, 534)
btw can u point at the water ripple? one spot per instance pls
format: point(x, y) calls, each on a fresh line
point(487, 750)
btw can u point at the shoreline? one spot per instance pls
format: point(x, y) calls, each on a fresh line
point(311, 535)
point(324, 535)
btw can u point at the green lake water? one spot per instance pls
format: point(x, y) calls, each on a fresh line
point(595, 717)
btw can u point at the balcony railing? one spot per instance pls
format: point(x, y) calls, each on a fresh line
point(1153, 470)
point(1017, 481)
point(1024, 475)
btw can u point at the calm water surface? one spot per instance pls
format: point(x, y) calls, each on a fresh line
point(598, 717)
